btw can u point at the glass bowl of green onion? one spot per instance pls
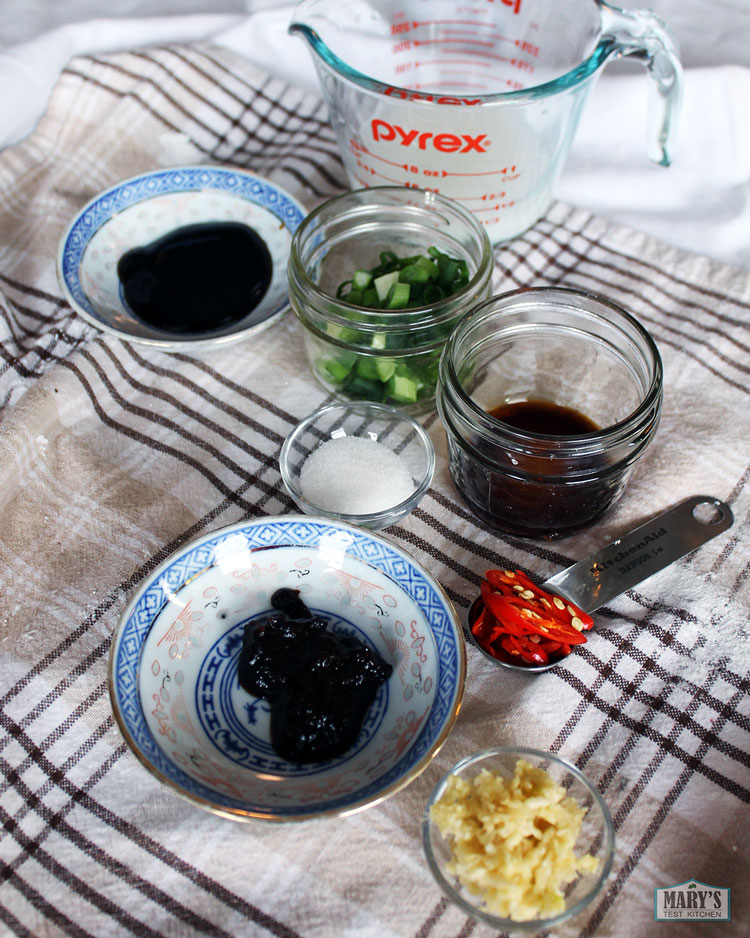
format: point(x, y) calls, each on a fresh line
point(379, 278)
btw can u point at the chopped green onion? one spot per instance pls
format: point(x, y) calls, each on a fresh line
point(361, 279)
point(384, 283)
point(414, 273)
point(431, 277)
point(432, 293)
point(370, 298)
point(398, 296)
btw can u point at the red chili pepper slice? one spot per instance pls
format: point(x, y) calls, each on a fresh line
point(508, 619)
point(516, 585)
point(524, 648)
point(552, 647)
point(484, 627)
point(521, 622)
point(518, 617)
point(501, 580)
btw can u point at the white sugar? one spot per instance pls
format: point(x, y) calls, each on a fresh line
point(354, 475)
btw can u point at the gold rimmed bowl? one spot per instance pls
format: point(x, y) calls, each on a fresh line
point(173, 667)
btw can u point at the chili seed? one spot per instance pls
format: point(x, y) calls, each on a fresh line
point(535, 639)
point(576, 623)
point(517, 587)
point(510, 573)
point(526, 594)
point(558, 602)
point(543, 600)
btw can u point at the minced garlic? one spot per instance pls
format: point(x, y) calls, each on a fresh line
point(512, 840)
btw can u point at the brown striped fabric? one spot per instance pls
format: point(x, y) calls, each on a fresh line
point(114, 454)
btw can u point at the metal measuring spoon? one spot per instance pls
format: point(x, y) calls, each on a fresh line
point(628, 561)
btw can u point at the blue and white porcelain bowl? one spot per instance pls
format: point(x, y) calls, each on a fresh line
point(173, 667)
point(138, 211)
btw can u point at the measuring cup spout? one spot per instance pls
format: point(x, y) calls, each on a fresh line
point(641, 35)
point(478, 102)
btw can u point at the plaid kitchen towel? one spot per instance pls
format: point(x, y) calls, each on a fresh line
point(114, 454)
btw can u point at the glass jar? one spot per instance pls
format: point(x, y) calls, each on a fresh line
point(566, 354)
point(387, 356)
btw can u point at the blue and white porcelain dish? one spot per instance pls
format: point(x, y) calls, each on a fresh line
point(173, 667)
point(140, 210)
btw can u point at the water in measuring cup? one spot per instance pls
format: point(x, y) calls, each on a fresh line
point(505, 182)
point(499, 160)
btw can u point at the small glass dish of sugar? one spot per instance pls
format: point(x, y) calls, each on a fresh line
point(362, 463)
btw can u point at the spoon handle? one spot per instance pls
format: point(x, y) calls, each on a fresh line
point(639, 554)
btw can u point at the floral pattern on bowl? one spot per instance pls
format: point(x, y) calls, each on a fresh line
point(137, 211)
point(173, 667)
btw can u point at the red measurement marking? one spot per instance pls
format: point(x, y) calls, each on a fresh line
point(469, 198)
point(496, 37)
point(527, 47)
point(470, 63)
point(493, 208)
point(435, 42)
point(375, 156)
point(374, 172)
point(361, 148)
point(366, 168)
point(489, 172)
point(478, 57)
point(472, 23)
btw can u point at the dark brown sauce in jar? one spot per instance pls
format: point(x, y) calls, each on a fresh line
point(537, 493)
point(525, 465)
point(543, 418)
point(198, 278)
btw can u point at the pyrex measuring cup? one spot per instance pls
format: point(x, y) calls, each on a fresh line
point(478, 101)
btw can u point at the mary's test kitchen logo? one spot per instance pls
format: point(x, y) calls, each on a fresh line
point(691, 901)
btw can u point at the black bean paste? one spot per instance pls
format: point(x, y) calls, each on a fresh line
point(320, 685)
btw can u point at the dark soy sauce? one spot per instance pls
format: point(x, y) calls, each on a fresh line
point(543, 417)
point(199, 278)
point(540, 493)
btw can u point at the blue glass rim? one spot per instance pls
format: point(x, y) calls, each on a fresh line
point(605, 48)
